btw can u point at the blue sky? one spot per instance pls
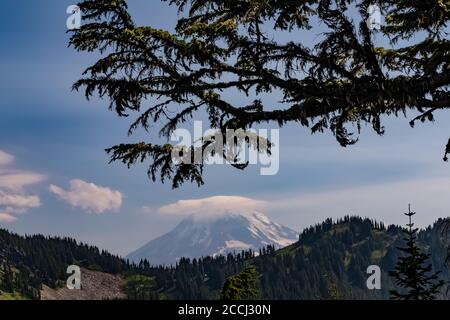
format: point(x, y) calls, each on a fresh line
point(55, 136)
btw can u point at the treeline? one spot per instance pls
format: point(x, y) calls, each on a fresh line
point(201, 278)
point(329, 261)
point(28, 262)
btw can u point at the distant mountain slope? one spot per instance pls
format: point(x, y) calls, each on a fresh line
point(329, 262)
point(27, 263)
point(198, 237)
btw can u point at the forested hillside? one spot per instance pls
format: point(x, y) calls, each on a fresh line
point(28, 262)
point(329, 261)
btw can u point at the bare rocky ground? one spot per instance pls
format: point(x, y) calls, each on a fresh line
point(94, 286)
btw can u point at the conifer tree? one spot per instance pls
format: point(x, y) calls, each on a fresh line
point(242, 286)
point(139, 287)
point(333, 291)
point(7, 283)
point(413, 273)
point(219, 49)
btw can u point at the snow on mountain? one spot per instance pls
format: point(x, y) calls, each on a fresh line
point(197, 237)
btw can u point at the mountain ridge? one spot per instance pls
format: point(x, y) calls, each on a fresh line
point(200, 236)
point(328, 261)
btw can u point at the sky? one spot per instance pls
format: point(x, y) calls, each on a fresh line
point(55, 178)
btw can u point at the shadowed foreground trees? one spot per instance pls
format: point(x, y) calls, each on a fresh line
point(339, 81)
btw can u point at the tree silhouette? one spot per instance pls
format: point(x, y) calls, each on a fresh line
point(412, 272)
point(251, 48)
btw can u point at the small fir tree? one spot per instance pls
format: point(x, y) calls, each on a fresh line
point(413, 273)
point(242, 286)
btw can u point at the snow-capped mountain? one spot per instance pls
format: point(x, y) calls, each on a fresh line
point(198, 237)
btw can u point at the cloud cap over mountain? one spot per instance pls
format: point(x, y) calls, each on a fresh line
point(213, 226)
point(213, 207)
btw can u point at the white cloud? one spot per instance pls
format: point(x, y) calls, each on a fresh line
point(6, 217)
point(13, 182)
point(5, 158)
point(430, 198)
point(213, 206)
point(18, 180)
point(387, 202)
point(89, 197)
point(18, 203)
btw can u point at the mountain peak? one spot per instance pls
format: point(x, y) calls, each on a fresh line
point(210, 235)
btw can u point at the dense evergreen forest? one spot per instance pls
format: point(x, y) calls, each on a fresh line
point(28, 262)
point(329, 261)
